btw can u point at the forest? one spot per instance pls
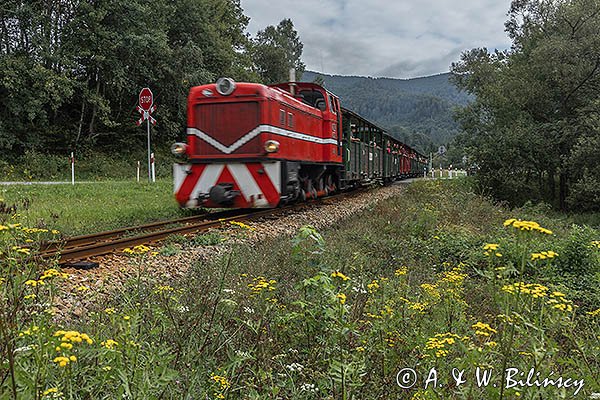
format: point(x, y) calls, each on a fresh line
point(533, 130)
point(71, 70)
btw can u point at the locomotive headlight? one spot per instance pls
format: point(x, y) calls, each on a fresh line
point(271, 146)
point(179, 149)
point(225, 86)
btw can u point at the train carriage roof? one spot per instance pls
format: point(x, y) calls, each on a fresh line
point(357, 116)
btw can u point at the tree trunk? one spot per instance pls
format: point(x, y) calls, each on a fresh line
point(563, 191)
point(552, 186)
point(94, 108)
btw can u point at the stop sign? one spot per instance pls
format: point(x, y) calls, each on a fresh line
point(146, 99)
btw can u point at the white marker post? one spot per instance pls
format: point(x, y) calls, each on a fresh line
point(138, 171)
point(153, 167)
point(72, 169)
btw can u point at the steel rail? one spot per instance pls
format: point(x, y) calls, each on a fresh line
point(88, 245)
point(74, 241)
point(101, 248)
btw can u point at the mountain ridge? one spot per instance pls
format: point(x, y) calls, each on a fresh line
point(418, 111)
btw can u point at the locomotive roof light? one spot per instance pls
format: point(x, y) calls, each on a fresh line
point(271, 146)
point(179, 149)
point(225, 86)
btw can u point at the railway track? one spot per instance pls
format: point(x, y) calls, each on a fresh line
point(96, 244)
point(78, 248)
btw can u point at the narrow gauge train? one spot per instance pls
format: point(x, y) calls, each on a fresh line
point(251, 145)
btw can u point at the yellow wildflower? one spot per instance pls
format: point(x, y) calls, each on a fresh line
point(431, 290)
point(420, 307)
point(491, 246)
point(373, 286)
point(73, 337)
point(482, 329)
point(139, 249)
point(440, 343)
point(110, 344)
point(61, 361)
point(260, 284)
point(22, 250)
point(164, 288)
point(341, 297)
point(401, 271)
point(543, 255)
point(559, 301)
point(50, 391)
point(526, 226)
point(594, 313)
point(533, 289)
point(241, 225)
point(338, 274)
point(221, 380)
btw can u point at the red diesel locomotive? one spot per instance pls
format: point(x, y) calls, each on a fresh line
point(251, 145)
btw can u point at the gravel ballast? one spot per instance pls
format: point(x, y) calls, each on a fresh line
point(90, 289)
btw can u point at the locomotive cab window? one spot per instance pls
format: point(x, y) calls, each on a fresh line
point(282, 117)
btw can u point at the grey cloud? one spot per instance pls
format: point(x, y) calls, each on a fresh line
point(382, 38)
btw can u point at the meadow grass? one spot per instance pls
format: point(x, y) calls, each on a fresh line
point(90, 207)
point(435, 279)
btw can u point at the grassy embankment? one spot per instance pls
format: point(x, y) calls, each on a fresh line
point(431, 279)
point(89, 207)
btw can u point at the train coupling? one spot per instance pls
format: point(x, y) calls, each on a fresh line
point(223, 194)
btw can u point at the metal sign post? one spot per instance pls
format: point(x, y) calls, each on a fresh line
point(146, 107)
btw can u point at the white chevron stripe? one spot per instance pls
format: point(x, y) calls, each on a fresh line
point(247, 184)
point(255, 132)
point(207, 180)
point(273, 171)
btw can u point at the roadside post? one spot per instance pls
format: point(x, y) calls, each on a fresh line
point(145, 108)
point(153, 167)
point(138, 171)
point(72, 159)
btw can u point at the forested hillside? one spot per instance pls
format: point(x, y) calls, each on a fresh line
point(419, 111)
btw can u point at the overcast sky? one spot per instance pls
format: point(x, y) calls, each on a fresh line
point(399, 39)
